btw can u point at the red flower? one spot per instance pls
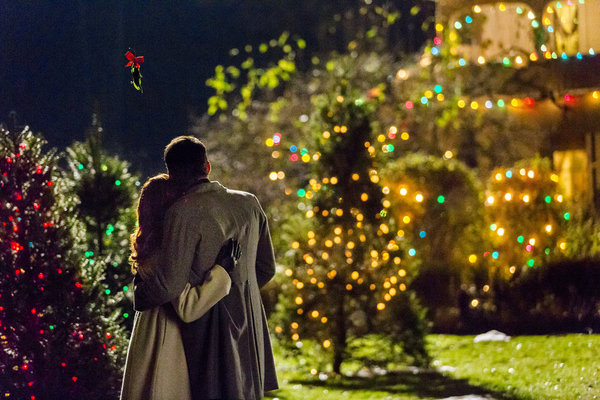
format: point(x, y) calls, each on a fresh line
point(133, 60)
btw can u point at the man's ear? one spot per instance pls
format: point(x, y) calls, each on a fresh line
point(207, 168)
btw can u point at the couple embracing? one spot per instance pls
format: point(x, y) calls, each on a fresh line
point(201, 253)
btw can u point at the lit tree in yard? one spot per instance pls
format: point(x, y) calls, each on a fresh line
point(347, 274)
point(106, 192)
point(58, 341)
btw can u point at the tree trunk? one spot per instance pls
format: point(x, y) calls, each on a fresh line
point(339, 348)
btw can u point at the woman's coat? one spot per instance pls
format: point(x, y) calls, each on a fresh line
point(156, 367)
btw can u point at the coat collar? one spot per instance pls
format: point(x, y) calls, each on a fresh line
point(203, 187)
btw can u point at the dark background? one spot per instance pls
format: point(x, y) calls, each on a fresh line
point(61, 60)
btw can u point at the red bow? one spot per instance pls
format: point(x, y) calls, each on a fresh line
point(133, 59)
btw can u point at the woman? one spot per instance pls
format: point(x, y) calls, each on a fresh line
point(156, 368)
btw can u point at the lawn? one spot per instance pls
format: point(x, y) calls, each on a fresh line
point(524, 368)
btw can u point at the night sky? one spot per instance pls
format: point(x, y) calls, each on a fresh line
point(61, 60)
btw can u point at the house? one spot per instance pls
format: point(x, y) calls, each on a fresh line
point(548, 51)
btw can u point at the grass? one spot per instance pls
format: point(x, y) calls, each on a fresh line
point(525, 368)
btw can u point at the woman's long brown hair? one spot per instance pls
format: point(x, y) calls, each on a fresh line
point(156, 196)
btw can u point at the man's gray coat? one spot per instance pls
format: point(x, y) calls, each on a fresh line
point(228, 350)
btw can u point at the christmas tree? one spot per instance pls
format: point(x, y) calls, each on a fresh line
point(106, 191)
point(347, 279)
point(58, 342)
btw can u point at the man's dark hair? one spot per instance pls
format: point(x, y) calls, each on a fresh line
point(185, 157)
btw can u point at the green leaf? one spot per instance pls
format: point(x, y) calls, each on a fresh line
point(246, 92)
point(249, 63)
point(283, 38)
point(288, 66)
point(233, 71)
point(301, 43)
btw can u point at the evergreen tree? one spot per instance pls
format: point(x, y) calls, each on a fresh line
point(106, 191)
point(347, 268)
point(58, 341)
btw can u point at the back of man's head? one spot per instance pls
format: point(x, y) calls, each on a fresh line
point(185, 158)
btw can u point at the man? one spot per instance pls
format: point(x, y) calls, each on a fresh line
point(228, 350)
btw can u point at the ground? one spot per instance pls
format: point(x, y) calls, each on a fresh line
point(525, 368)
